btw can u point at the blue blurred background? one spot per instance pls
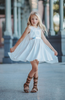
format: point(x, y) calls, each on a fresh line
point(13, 21)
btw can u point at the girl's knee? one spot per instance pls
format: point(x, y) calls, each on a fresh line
point(34, 65)
point(34, 61)
point(35, 68)
point(37, 61)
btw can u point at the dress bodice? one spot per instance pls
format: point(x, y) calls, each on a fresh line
point(35, 32)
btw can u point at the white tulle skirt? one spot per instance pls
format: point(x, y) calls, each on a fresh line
point(29, 50)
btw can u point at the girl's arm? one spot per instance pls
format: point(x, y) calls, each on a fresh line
point(27, 30)
point(48, 43)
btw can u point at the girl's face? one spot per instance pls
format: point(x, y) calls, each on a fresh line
point(34, 20)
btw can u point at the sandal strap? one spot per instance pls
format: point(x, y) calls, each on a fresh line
point(35, 88)
point(35, 85)
point(29, 77)
point(35, 77)
point(25, 85)
point(27, 81)
point(35, 82)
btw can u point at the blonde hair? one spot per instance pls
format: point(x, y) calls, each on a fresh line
point(40, 24)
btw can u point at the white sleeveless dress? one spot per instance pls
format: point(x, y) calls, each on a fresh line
point(32, 47)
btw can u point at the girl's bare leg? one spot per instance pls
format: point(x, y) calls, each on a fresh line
point(36, 74)
point(35, 79)
point(34, 70)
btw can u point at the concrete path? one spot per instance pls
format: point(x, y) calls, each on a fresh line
point(51, 83)
point(1, 54)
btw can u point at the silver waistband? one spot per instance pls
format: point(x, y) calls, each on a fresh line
point(35, 38)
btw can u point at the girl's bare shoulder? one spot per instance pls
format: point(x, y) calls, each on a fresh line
point(28, 28)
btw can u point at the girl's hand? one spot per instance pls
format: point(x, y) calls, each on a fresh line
point(12, 49)
point(55, 52)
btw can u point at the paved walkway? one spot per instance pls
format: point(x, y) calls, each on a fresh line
point(51, 83)
point(1, 54)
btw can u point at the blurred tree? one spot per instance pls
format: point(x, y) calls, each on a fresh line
point(64, 8)
point(56, 6)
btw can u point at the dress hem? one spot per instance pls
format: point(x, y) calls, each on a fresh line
point(47, 61)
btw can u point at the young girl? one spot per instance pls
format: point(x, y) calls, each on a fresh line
point(33, 47)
